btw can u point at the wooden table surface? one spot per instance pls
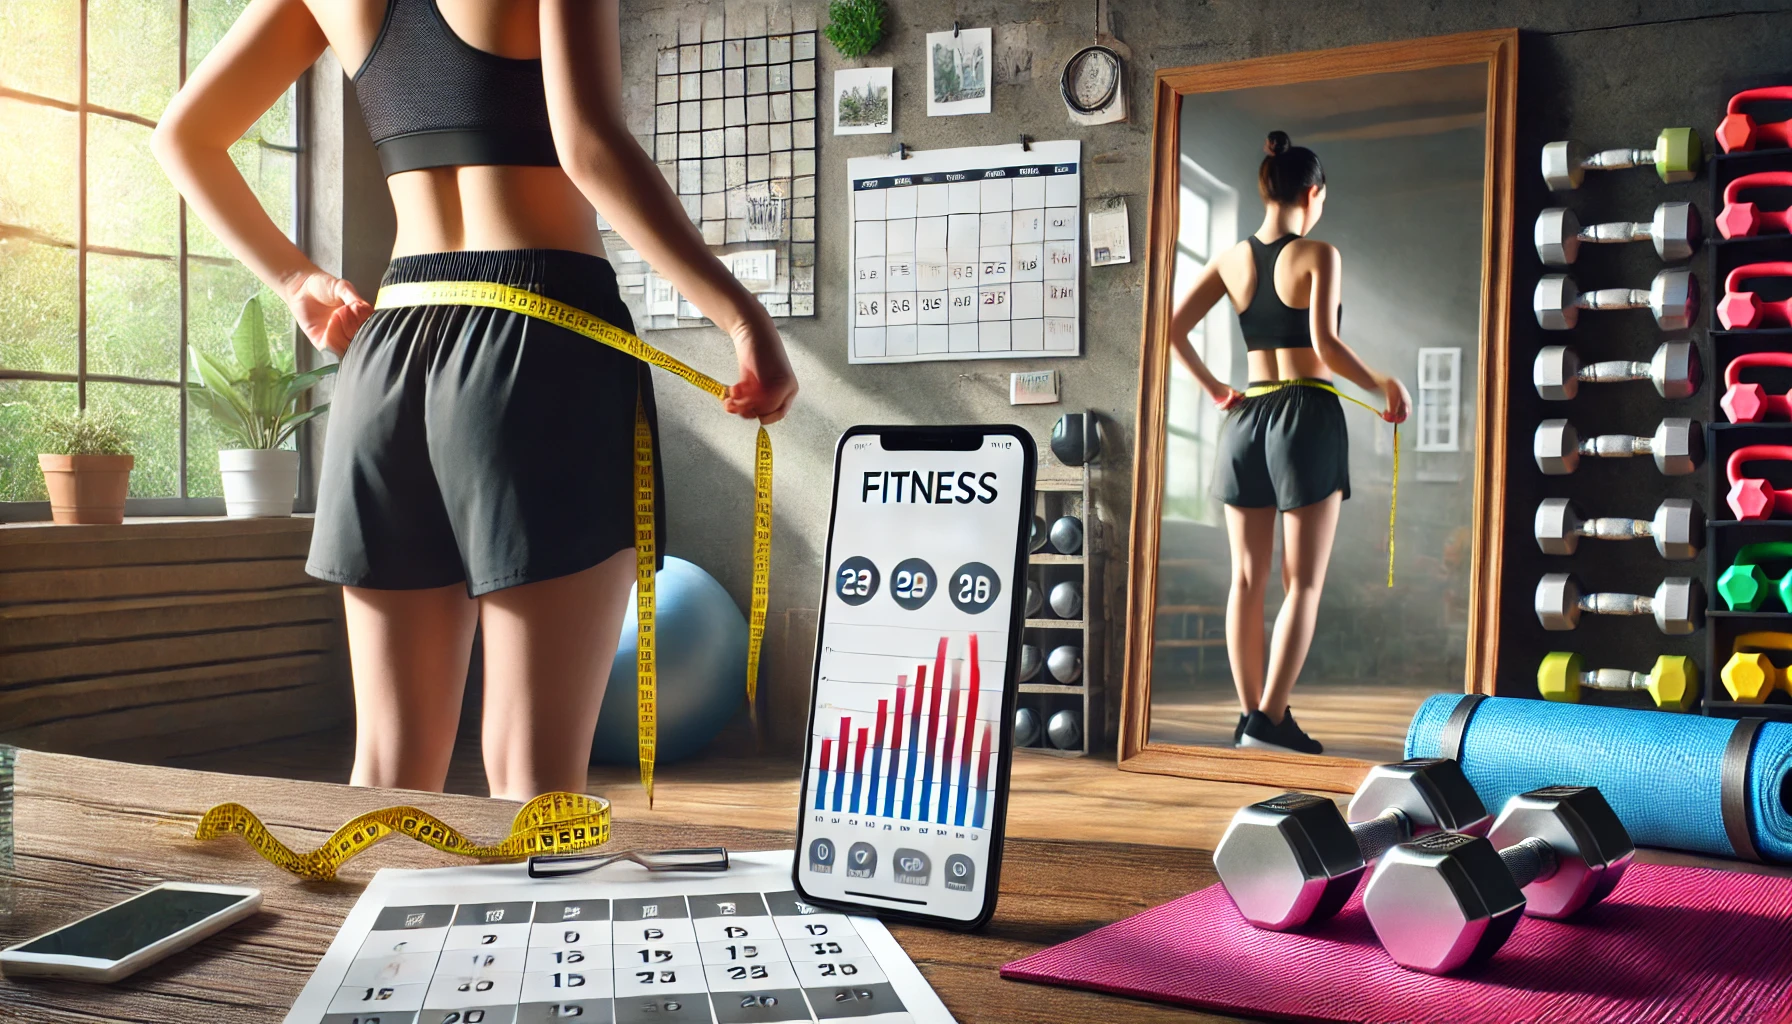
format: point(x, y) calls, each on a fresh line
point(89, 833)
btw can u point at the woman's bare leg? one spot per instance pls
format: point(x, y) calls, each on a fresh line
point(548, 648)
point(1307, 534)
point(408, 650)
point(1251, 534)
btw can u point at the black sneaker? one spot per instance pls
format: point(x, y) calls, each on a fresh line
point(1260, 733)
point(1238, 730)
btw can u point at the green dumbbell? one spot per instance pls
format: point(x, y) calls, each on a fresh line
point(1744, 586)
point(1676, 156)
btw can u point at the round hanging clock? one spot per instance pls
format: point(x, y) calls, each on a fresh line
point(1091, 80)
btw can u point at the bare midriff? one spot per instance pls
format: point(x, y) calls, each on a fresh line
point(444, 209)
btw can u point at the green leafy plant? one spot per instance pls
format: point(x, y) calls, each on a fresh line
point(855, 27)
point(252, 399)
point(93, 431)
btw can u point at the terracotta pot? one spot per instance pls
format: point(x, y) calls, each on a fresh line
point(87, 488)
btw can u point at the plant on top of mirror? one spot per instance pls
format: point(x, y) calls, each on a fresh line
point(855, 27)
point(91, 431)
point(254, 400)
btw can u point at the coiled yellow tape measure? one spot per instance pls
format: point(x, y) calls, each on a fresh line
point(518, 300)
point(1394, 489)
point(550, 823)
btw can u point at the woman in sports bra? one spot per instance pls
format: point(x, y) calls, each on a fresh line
point(478, 467)
point(1285, 450)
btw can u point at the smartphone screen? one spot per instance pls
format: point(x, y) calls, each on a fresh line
point(906, 771)
point(119, 931)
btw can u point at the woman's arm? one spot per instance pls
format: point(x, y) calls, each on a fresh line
point(1343, 361)
point(1189, 311)
point(267, 49)
point(581, 63)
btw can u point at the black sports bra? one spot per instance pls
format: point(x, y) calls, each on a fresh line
point(431, 99)
point(1269, 322)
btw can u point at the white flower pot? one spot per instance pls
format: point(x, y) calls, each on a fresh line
point(259, 482)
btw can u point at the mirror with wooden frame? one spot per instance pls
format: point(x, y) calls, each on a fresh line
point(1255, 585)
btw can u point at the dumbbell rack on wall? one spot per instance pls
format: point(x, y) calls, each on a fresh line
point(1727, 535)
point(1065, 492)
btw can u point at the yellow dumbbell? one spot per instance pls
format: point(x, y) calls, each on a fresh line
point(1673, 681)
point(1748, 675)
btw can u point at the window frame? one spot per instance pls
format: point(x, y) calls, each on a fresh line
point(181, 504)
point(1438, 401)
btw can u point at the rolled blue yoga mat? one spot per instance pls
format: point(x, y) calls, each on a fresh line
point(1663, 773)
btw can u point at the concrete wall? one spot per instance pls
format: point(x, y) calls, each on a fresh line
point(1609, 71)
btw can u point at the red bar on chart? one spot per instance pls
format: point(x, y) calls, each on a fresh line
point(858, 770)
point(877, 755)
point(970, 725)
point(895, 748)
point(821, 777)
point(946, 748)
point(933, 727)
point(840, 763)
point(982, 779)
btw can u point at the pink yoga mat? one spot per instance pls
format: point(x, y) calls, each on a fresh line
point(1671, 944)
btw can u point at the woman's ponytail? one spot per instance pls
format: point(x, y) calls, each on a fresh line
point(1287, 170)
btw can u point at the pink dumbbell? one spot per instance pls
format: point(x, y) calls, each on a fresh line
point(1742, 220)
point(1750, 403)
point(1743, 310)
point(1753, 497)
point(1738, 131)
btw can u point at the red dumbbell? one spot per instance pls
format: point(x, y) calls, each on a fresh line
point(1741, 220)
point(1738, 131)
point(1741, 311)
point(1750, 403)
point(1752, 497)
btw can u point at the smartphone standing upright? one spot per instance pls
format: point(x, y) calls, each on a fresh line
point(905, 771)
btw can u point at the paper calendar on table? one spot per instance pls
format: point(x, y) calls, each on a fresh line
point(490, 945)
point(966, 254)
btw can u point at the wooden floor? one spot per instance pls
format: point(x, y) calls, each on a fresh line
point(1359, 720)
point(1050, 797)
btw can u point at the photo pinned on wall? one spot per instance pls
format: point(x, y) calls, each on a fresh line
point(863, 101)
point(1110, 239)
point(958, 72)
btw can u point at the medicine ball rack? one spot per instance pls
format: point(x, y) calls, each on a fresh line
point(1726, 535)
point(1062, 491)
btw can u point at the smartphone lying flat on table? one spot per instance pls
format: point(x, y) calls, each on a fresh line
point(126, 937)
point(905, 774)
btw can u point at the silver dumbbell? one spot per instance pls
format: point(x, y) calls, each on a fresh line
point(1557, 372)
point(1675, 230)
point(1678, 528)
point(1677, 606)
point(1672, 298)
point(1678, 446)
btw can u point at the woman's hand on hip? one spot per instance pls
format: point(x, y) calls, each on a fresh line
point(329, 310)
point(1399, 402)
point(1225, 396)
point(767, 384)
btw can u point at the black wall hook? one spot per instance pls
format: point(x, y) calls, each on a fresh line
point(899, 151)
point(955, 30)
point(1026, 143)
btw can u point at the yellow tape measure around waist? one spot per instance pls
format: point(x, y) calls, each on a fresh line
point(527, 303)
point(550, 823)
point(1394, 487)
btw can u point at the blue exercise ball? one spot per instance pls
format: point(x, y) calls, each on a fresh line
point(702, 669)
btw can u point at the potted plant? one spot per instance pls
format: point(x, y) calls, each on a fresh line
point(256, 402)
point(87, 466)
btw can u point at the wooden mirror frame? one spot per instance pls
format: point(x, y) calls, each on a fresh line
point(1499, 51)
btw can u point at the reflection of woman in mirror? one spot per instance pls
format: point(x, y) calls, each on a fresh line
point(1285, 450)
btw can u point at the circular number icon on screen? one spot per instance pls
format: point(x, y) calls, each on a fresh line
point(856, 580)
point(974, 587)
point(912, 583)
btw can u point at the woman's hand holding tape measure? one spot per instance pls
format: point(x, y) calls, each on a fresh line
point(1399, 402)
point(328, 309)
point(767, 384)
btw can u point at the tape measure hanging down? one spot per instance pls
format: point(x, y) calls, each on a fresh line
point(1394, 488)
point(527, 303)
point(550, 823)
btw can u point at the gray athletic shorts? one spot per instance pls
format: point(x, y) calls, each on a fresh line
point(480, 446)
point(1286, 449)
